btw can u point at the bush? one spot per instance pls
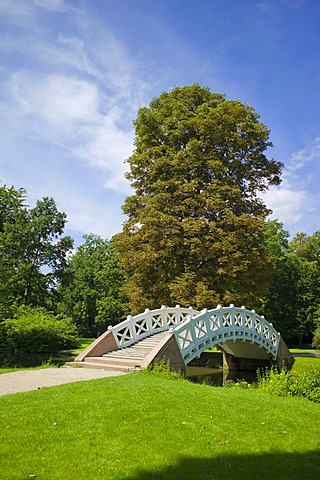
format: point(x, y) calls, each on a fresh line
point(240, 384)
point(35, 330)
point(316, 340)
point(286, 383)
point(162, 368)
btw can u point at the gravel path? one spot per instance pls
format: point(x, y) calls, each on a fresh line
point(26, 380)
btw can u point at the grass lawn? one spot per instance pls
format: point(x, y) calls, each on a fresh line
point(16, 369)
point(145, 427)
point(305, 364)
point(302, 350)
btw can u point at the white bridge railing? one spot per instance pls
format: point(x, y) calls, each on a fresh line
point(148, 323)
point(214, 327)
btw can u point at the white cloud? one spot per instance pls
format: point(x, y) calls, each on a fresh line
point(107, 148)
point(16, 9)
point(66, 111)
point(78, 91)
point(287, 202)
point(53, 5)
point(87, 215)
point(296, 201)
point(23, 7)
point(24, 12)
point(63, 102)
point(305, 155)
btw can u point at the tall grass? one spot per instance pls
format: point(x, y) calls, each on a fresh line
point(286, 383)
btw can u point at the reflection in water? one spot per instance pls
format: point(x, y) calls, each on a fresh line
point(217, 376)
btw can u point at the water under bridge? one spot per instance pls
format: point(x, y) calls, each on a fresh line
point(179, 335)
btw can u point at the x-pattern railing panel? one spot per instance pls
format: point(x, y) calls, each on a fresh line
point(137, 327)
point(214, 322)
point(214, 327)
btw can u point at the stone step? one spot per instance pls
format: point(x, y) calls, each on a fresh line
point(145, 343)
point(125, 359)
point(138, 350)
point(122, 357)
point(121, 361)
point(136, 354)
point(104, 366)
point(112, 365)
point(134, 351)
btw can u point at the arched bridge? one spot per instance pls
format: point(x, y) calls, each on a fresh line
point(180, 335)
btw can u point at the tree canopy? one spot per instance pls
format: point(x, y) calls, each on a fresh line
point(194, 233)
point(33, 252)
point(292, 303)
point(90, 288)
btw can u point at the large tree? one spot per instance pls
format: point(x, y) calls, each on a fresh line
point(195, 224)
point(32, 250)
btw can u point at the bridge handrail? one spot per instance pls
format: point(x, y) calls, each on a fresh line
point(214, 327)
point(140, 326)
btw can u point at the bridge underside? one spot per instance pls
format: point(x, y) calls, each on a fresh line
point(250, 357)
point(245, 349)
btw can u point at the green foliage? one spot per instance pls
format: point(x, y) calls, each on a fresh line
point(276, 239)
point(11, 205)
point(285, 383)
point(32, 251)
point(292, 303)
point(162, 369)
point(35, 331)
point(316, 340)
point(195, 229)
point(41, 360)
point(241, 384)
point(90, 290)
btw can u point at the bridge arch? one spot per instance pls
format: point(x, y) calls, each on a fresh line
point(228, 328)
point(242, 334)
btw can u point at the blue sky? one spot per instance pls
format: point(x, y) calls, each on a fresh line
point(73, 74)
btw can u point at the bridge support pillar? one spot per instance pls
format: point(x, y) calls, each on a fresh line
point(245, 364)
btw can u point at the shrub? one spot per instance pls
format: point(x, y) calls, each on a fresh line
point(35, 330)
point(241, 384)
point(316, 340)
point(285, 383)
point(274, 382)
point(307, 385)
point(162, 368)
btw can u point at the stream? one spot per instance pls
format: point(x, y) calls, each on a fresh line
point(217, 376)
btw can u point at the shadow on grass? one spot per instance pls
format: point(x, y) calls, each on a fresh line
point(27, 360)
point(266, 466)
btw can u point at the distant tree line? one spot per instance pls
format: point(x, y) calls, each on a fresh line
point(38, 267)
point(292, 302)
point(197, 232)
